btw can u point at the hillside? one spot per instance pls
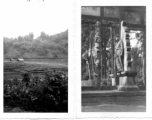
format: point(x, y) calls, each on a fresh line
point(44, 46)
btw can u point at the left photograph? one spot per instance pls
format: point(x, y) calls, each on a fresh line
point(35, 57)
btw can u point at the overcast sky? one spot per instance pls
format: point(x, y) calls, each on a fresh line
point(21, 17)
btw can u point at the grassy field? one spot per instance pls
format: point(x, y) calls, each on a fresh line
point(35, 64)
point(14, 69)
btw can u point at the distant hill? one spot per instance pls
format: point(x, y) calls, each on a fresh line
point(44, 46)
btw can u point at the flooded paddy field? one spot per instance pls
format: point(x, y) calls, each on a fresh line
point(37, 67)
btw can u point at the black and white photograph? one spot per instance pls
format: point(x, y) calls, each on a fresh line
point(76, 59)
point(113, 58)
point(35, 56)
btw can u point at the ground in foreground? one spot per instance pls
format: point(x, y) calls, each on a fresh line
point(119, 107)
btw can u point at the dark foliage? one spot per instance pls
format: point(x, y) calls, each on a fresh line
point(38, 95)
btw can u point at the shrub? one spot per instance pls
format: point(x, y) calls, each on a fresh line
point(106, 82)
point(47, 95)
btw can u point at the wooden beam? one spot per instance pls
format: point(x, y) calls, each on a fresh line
point(134, 26)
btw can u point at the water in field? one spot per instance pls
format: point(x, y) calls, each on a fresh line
point(13, 69)
point(51, 60)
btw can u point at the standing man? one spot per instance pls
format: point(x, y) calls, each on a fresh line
point(119, 54)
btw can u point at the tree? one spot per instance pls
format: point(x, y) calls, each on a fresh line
point(139, 55)
point(44, 46)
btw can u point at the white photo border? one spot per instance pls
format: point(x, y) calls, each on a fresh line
point(77, 38)
point(35, 115)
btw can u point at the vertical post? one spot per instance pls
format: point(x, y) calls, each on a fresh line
point(101, 59)
point(144, 58)
point(112, 54)
point(112, 57)
point(115, 69)
point(97, 54)
point(112, 51)
point(91, 57)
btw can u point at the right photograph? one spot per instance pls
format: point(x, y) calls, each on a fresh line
point(113, 58)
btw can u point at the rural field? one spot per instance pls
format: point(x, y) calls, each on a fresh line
point(32, 64)
point(14, 68)
point(36, 85)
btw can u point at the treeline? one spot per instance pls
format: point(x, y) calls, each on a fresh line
point(44, 46)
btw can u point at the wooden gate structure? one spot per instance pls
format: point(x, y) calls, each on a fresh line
point(100, 26)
